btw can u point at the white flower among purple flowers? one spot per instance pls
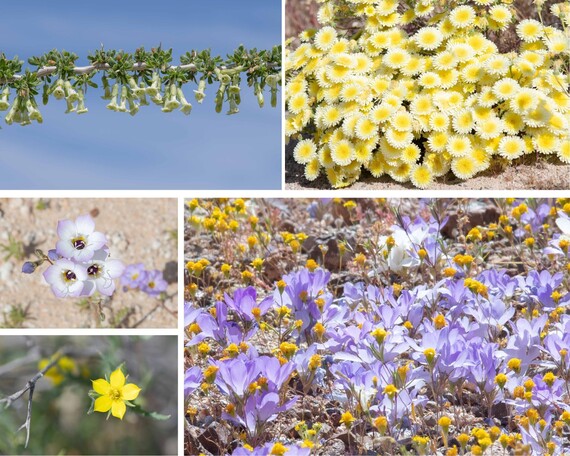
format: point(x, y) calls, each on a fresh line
point(78, 240)
point(66, 278)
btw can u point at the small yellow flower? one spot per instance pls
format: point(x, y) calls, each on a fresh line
point(114, 393)
point(444, 422)
point(288, 349)
point(390, 390)
point(314, 362)
point(429, 353)
point(311, 265)
point(549, 378)
point(257, 263)
point(439, 321)
point(278, 449)
point(319, 330)
point(501, 379)
point(246, 276)
point(381, 423)
point(347, 419)
point(514, 364)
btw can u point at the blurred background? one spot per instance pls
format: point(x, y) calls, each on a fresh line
point(152, 150)
point(60, 423)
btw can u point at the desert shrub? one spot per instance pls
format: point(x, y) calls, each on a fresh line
point(415, 90)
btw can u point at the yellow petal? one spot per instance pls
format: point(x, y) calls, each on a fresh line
point(117, 379)
point(101, 386)
point(103, 404)
point(119, 409)
point(130, 391)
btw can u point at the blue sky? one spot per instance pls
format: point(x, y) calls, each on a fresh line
point(152, 150)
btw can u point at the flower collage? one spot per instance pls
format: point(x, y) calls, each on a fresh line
point(285, 228)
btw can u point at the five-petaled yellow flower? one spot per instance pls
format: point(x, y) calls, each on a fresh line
point(114, 394)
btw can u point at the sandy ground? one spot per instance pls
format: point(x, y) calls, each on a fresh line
point(540, 176)
point(137, 230)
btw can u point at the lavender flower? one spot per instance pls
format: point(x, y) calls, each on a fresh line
point(66, 278)
point(133, 276)
point(154, 283)
point(78, 240)
point(101, 274)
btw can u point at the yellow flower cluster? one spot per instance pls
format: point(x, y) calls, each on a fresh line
point(416, 105)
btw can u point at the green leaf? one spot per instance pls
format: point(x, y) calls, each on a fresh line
point(154, 415)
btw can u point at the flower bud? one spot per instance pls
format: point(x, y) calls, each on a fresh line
point(29, 267)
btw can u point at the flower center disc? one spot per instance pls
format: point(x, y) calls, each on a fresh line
point(115, 394)
point(79, 243)
point(70, 276)
point(93, 270)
